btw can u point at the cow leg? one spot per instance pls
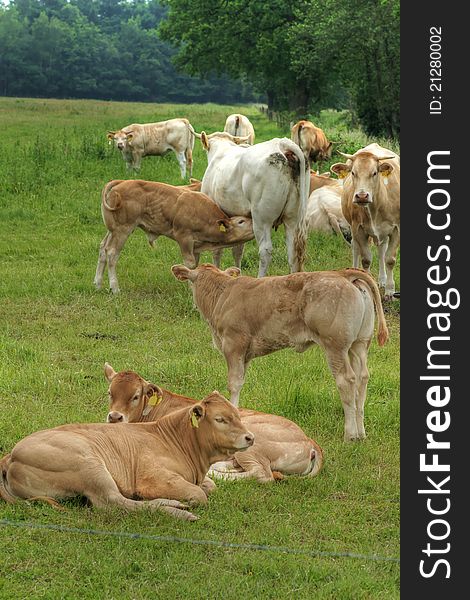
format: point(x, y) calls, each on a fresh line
point(390, 259)
point(114, 245)
point(216, 257)
point(236, 365)
point(237, 253)
point(265, 246)
point(101, 262)
point(186, 245)
point(189, 160)
point(182, 163)
point(381, 251)
point(358, 357)
point(208, 486)
point(356, 253)
point(345, 377)
point(289, 227)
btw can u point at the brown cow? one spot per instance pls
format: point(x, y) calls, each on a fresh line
point(253, 317)
point(135, 466)
point(190, 218)
point(280, 446)
point(371, 204)
point(156, 139)
point(312, 140)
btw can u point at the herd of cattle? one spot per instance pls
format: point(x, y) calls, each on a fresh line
point(162, 446)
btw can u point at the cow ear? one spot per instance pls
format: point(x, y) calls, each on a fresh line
point(223, 224)
point(341, 169)
point(196, 413)
point(110, 135)
point(109, 372)
point(153, 393)
point(205, 140)
point(385, 169)
point(233, 271)
point(182, 273)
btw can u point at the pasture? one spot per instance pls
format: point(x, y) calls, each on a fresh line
point(56, 332)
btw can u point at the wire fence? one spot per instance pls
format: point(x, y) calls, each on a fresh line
point(179, 540)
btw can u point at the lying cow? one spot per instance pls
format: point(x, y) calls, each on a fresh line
point(240, 126)
point(253, 317)
point(324, 211)
point(312, 140)
point(190, 218)
point(371, 205)
point(156, 139)
point(280, 447)
point(134, 466)
point(267, 181)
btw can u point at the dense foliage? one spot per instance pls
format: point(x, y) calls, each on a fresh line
point(303, 54)
point(107, 49)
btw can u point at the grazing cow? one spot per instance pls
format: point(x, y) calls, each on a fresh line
point(251, 317)
point(324, 210)
point(280, 447)
point(371, 204)
point(240, 126)
point(267, 181)
point(135, 466)
point(190, 218)
point(312, 140)
point(156, 139)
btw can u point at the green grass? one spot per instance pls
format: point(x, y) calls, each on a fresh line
point(56, 332)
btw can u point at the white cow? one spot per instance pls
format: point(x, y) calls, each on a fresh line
point(324, 211)
point(267, 181)
point(240, 126)
point(156, 139)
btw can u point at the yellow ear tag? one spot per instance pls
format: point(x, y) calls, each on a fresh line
point(222, 227)
point(154, 399)
point(194, 421)
point(342, 174)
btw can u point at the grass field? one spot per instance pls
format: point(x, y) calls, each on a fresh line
point(56, 332)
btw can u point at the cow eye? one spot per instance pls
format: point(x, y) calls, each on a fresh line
point(353, 173)
point(220, 420)
point(374, 174)
point(241, 221)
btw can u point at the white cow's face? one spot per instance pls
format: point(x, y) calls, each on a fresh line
point(122, 140)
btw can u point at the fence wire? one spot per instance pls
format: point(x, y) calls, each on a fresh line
point(179, 540)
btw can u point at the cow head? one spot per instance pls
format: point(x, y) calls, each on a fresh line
point(219, 424)
point(366, 172)
point(235, 229)
point(130, 396)
point(122, 139)
point(182, 273)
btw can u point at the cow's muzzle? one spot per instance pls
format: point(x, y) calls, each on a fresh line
point(120, 146)
point(362, 198)
point(116, 417)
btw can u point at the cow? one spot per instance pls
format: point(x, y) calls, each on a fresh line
point(189, 217)
point(371, 204)
point(267, 181)
point(251, 317)
point(324, 210)
point(240, 126)
point(312, 140)
point(280, 447)
point(132, 465)
point(156, 139)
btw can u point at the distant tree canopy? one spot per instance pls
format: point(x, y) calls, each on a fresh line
point(105, 49)
point(303, 54)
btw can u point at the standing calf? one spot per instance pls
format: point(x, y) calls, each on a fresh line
point(190, 218)
point(253, 317)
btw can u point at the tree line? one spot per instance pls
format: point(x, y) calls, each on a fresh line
point(304, 55)
point(101, 49)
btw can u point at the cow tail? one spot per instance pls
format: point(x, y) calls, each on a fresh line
point(108, 188)
point(317, 459)
point(301, 230)
point(237, 124)
point(351, 275)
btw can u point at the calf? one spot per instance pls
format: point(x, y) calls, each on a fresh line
point(190, 218)
point(371, 204)
point(156, 139)
point(240, 126)
point(280, 447)
point(253, 317)
point(134, 466)
point(312, 140)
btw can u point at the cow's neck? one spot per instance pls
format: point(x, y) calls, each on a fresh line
point(207, 291)
point(168, 404)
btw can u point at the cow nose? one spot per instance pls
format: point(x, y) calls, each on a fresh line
point(115, 417)
point(120, 146)
point(362, 197)
point(249, 438)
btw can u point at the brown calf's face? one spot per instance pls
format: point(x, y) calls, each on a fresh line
point(365, 170)
point(219, 423)
point(122, 140)
point(129, 395)
point(237, 229)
